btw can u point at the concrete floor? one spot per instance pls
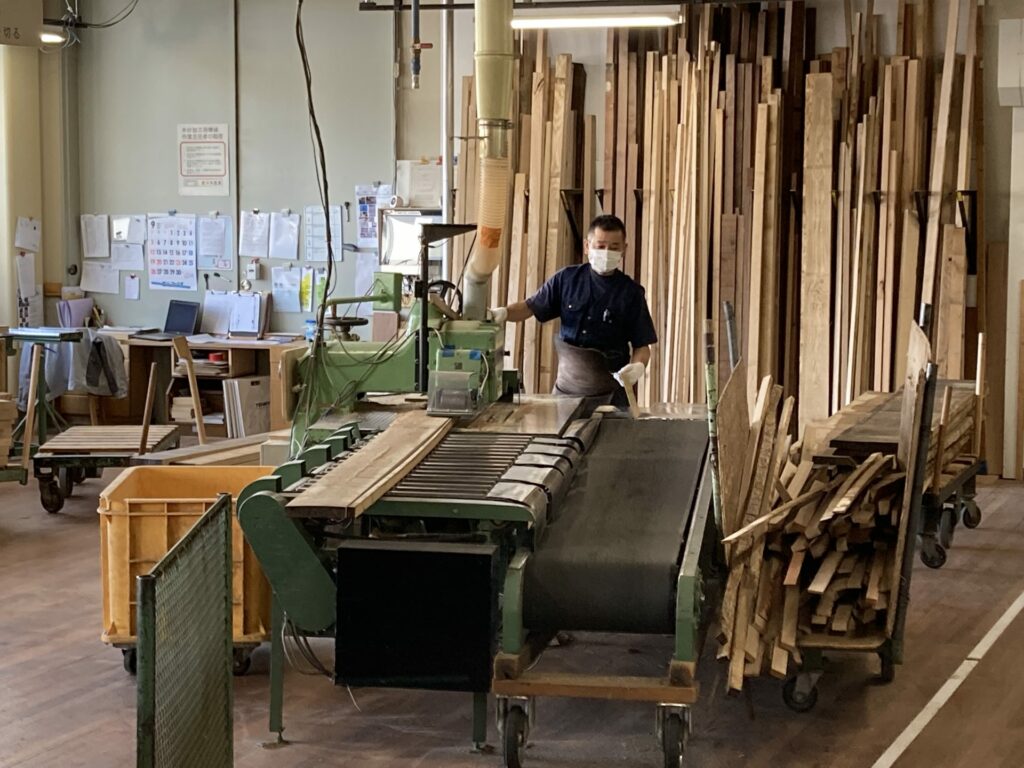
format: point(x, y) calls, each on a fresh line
point(65, 700)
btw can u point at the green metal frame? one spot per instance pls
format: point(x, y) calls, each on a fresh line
point(689, 586)
point(513, 635)
point(301, 582)
point(176, 724)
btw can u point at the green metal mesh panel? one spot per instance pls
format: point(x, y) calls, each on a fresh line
point(185, 650)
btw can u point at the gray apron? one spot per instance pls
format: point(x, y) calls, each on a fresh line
point(584, 373)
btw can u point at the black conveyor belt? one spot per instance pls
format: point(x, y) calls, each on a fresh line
point(610, 560)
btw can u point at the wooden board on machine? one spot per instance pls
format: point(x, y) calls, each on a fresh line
point(354, 484)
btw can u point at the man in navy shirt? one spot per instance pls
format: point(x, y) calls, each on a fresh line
point(606, 325)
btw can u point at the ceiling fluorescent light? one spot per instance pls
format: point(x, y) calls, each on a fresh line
point(52, 38)
point(586, 21)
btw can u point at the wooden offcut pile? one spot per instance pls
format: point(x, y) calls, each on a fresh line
point(815, 531)
point(823, 561)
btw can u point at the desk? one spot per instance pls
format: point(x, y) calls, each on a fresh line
point(142, 352)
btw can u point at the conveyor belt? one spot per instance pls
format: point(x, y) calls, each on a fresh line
point(610, 560)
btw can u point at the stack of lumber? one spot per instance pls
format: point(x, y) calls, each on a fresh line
point(8, 415)
point(812, 190)
point(873, 426)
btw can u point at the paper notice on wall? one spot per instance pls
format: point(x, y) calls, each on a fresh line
point(127, 256)
point(320, 287)
point(286, 288)
point(254, 235)
point(419, 184)
point(171, 252)
point(306, 290)
point(95, 236)
point(132, 287)
point(28, 234)
point(215, 245)
point(98, 277)
point(128, 228)
point(284, 236)
point(316, 233)
point(369, 197)
point(203, 159)
point(30, 309)
point(26, 264)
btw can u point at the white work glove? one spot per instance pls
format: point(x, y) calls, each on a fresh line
point(499, 315)
point(630, 374)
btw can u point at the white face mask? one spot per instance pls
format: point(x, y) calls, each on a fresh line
point(604, 261)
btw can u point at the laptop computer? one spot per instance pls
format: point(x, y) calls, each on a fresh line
point(182, 320)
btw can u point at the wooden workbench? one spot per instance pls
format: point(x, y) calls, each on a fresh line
point(142, 352)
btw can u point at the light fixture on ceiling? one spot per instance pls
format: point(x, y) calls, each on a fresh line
point(640, 16)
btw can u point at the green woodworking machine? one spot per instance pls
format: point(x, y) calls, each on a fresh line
point(526, 517)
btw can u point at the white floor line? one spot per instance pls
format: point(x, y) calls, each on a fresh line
point(911, 732)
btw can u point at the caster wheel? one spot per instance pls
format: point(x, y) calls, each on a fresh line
point(130, 659)
point(66, 481)
point(971, 515)
point(79, 475)
point(50, 496)
point(673, 740)
point(799, 702)
point(241, 663)
point(888, 673)
point(936, 558)
point(514, 737)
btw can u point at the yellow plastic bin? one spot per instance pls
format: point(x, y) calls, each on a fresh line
point(144, 513)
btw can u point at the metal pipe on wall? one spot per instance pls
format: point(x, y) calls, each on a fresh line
point(447, 129)
point(493, 57)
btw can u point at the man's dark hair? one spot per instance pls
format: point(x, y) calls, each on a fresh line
point(608, 223)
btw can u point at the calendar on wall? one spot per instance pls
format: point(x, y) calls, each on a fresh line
point(171, 253)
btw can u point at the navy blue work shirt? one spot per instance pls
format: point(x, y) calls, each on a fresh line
point(604, 312)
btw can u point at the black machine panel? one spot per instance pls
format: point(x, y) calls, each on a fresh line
point(416, 614)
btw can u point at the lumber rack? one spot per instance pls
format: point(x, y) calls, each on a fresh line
point(800, 691)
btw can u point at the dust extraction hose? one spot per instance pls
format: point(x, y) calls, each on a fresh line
point(494, 64)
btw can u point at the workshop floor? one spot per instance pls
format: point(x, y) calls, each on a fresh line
point(65, 700)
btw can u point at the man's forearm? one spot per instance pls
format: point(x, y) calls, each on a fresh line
point(519, 312)
point(641, 355)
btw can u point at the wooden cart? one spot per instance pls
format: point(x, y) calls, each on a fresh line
point(82, 452)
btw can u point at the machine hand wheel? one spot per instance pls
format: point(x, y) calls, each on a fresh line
point(673, 739)
point(514, 735)
point(50, 496)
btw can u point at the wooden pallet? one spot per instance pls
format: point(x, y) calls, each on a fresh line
point(108, 439)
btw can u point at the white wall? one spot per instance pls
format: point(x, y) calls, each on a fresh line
point(178, 62)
